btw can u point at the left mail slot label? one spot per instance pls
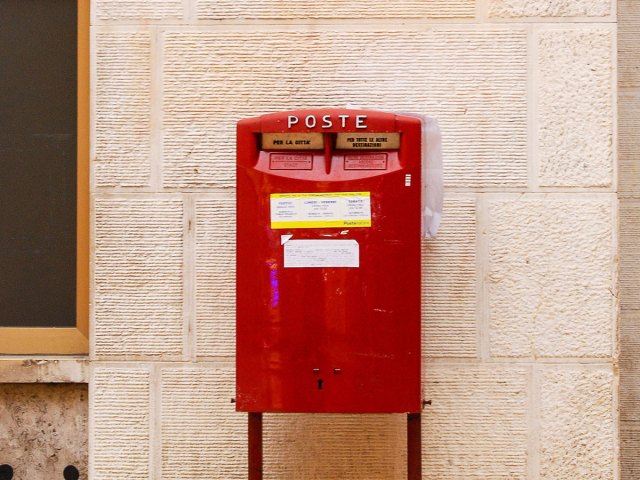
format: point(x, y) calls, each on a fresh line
point(321, 253)
point(292, 141)
point(320, 210)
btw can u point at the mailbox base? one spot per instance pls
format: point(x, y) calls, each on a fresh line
point(414, 446)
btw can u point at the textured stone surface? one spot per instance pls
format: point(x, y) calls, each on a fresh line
point(629, 142)
point(138, 276)
point(449, 283)
point(44, 371)
point(476, 426)
point(549, 8)
point(629, 452)
point(202, 435)
point(473, 80)
point(630, 255)
point(120, 424)
point(550, 280)
point(629, 395)
point(310, 9)
point(629, 186)
point(577, 432)
point(336, 447)
point(43, 429)
point(629, 398)
point(122, 121)
point(138, 10)
point(215, 277)
point(628, 51)
point(575, 106)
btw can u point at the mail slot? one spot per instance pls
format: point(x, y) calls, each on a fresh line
point(328, 262)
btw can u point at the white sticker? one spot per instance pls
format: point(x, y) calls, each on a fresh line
point(321, 253)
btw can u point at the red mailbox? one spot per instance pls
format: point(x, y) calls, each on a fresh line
point(328, 262)
point(328, 268)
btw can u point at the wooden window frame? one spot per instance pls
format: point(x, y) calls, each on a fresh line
point(70, 340)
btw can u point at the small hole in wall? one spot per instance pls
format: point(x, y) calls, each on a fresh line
point(71, 473)
point(6, 472)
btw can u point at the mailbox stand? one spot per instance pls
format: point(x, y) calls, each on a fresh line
point(329, 268)
point(414, 446)
point(255, 446)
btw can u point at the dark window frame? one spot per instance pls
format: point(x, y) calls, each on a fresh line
point(68, 340)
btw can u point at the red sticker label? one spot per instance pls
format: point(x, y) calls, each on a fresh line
point(294, 161)
point(372, 161)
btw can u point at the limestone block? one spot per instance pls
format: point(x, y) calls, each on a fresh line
point(629, 451)
point(138, 276)
point(336, 447)
point(629, 142)
point(202, 435)
point(476, 425)
point(43, 429)
point(575, 98)
point(628, 36)
point(629, 391)
point(473, 80)
point(120, 424)
point(122, 123)
point(215, 277)
point(629, 356)
point(311, 10)
point(549, 8)
point(67, 370)
point(629, 255)
point(577, 428)
point(449, 326)
point(138, 10)
point(551, 275)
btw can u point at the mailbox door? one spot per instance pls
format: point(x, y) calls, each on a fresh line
point(328, 317)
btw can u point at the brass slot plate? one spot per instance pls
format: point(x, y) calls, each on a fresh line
point(368, 141)
point(293, 141)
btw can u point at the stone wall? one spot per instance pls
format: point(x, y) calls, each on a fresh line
point(520, 288)
point(629, 193)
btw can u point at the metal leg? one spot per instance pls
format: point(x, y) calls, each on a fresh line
point(414, 446)
point(255, 446)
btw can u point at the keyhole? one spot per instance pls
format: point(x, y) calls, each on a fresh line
point(320, 382)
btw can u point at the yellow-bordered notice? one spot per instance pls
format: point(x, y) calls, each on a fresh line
point(320, 210)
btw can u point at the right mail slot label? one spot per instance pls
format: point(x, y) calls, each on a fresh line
point(368, 141)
